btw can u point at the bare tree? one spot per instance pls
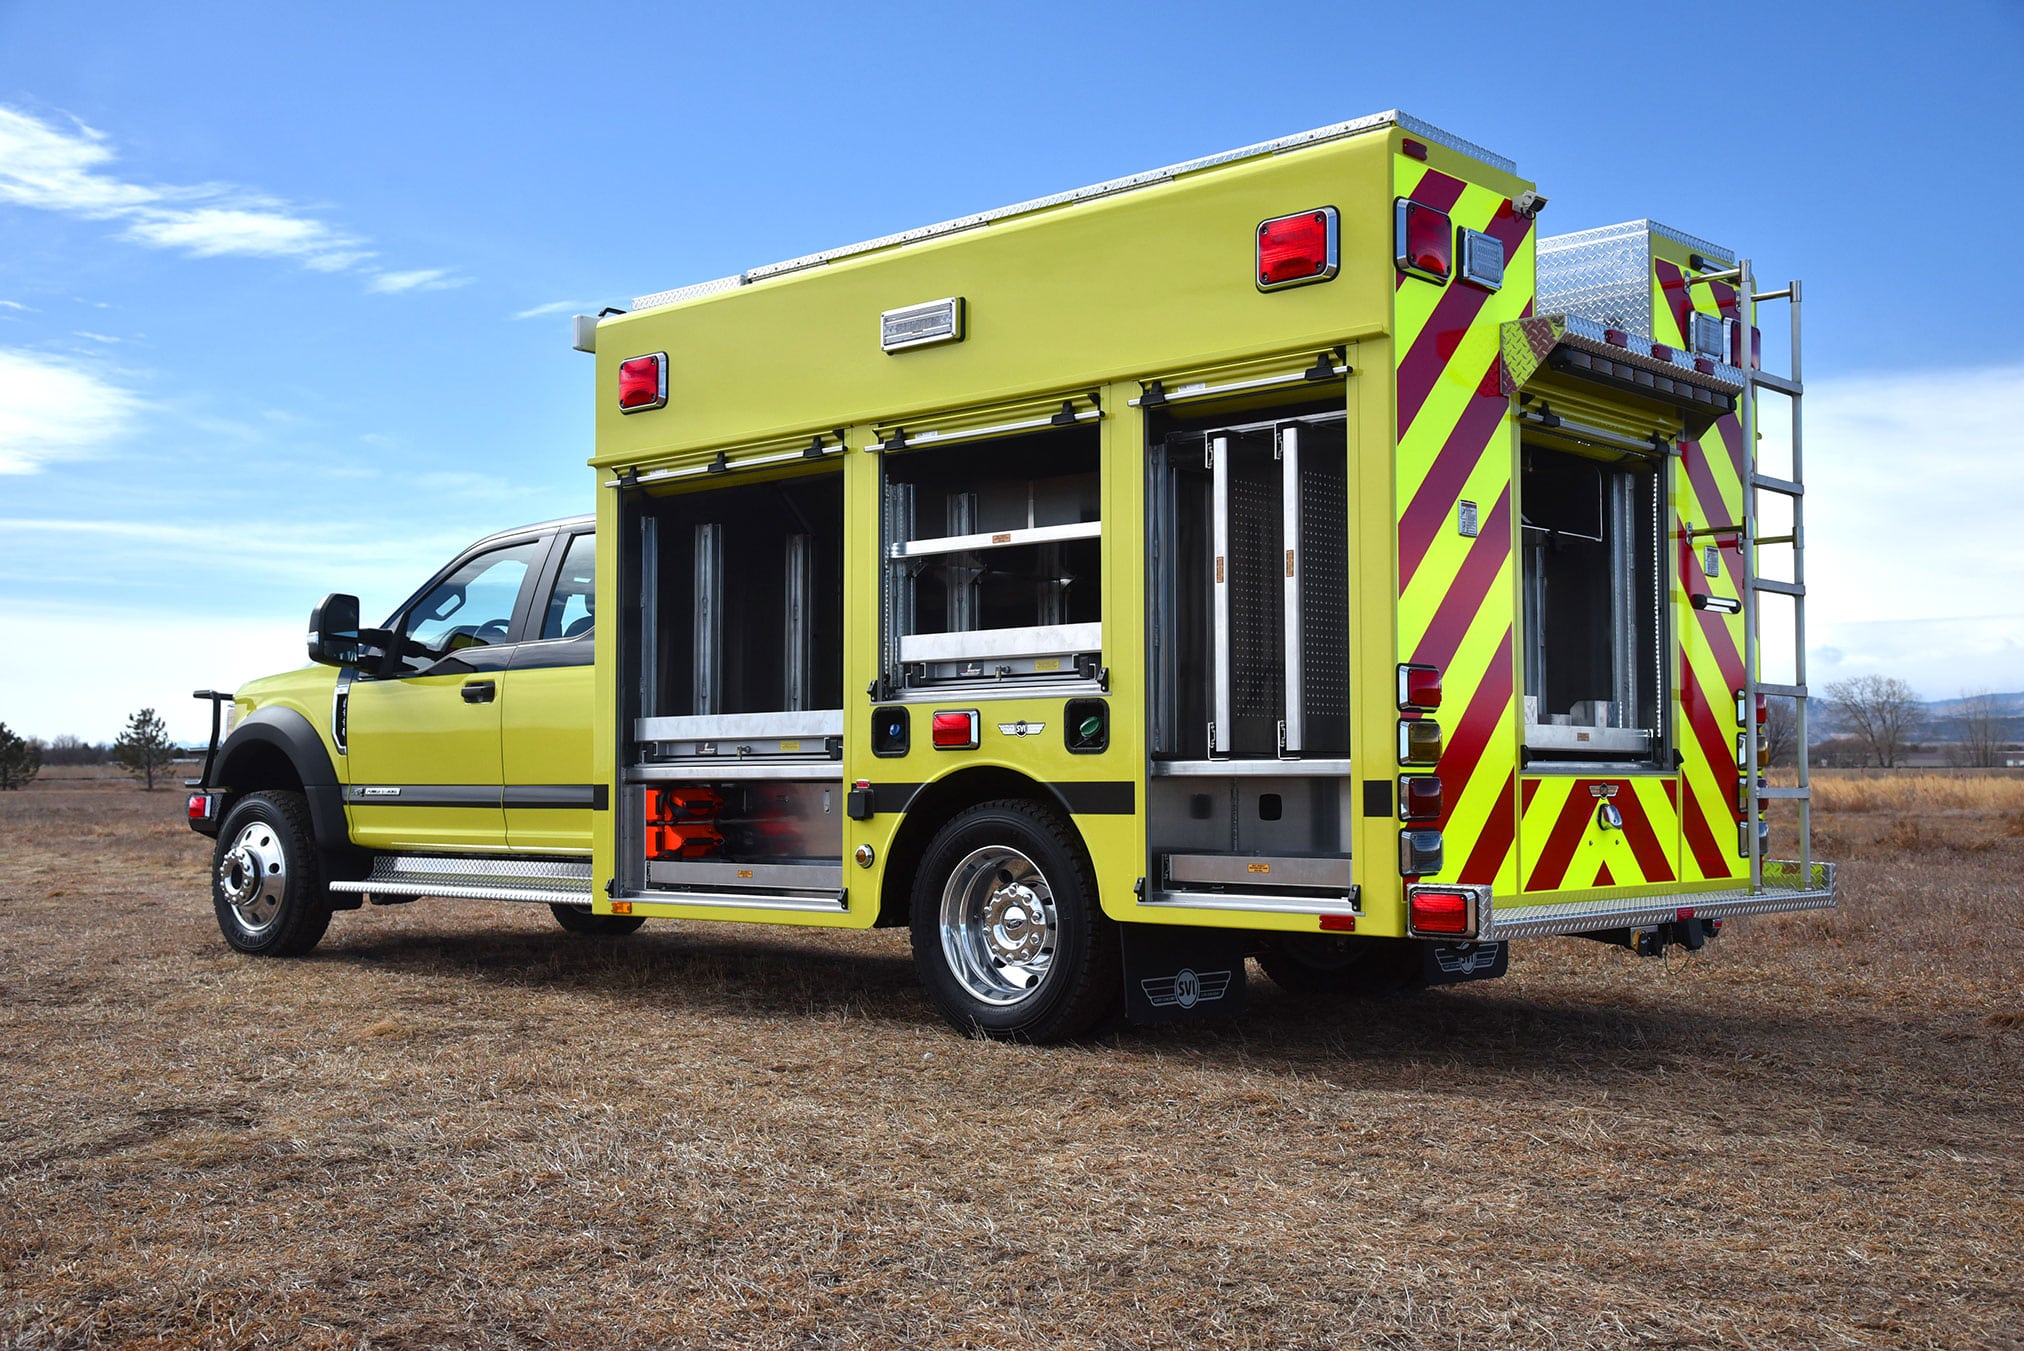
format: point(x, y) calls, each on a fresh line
point(1882, 712)
point(144, 747)
point(1980, 719)
point(1779, 736)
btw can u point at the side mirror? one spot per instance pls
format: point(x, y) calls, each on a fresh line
point(333, 631)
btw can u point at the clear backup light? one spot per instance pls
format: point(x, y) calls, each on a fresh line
point(643, 383)
point(1705, 337)
point(1482, 260)
point(1420, 852)
point(1425, 241)
point(1298, 249)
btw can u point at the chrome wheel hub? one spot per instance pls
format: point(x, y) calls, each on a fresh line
point(998, 925)
point(253, 876)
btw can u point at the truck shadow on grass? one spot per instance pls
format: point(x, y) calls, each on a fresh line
point(1566, 1033)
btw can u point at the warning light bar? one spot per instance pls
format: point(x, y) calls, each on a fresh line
point(1299, 249)
point(1426, 241)
point(643, 383)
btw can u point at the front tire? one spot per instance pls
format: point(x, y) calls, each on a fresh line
point(578, 919)
point(267, 883)
point(1009, 938)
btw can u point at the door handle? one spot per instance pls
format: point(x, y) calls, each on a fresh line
point(479, 691)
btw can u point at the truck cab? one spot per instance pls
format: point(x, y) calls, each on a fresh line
point(446, 752)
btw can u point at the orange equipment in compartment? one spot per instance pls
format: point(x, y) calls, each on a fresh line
point(682, 822)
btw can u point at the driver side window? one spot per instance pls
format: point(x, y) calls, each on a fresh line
point(472, 607)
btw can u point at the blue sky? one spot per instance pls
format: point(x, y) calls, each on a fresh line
point(284, 290)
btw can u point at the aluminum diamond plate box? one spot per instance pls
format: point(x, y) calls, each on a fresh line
point(1605, 274)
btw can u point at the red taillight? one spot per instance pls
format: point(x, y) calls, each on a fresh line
point(1419, 797)
point(1299, 248)
point(1442, 912)
point(955, 731)
point(1419, 687)
point(199, 806)
point(1425, 240)
point(643, 383)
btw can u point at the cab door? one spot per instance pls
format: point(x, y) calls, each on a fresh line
point(425, 770)
point(545, 715)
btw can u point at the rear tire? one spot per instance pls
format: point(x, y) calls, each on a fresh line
point(1009, 939)
point(1340, 965)
point(267, 884)
point(579, 920)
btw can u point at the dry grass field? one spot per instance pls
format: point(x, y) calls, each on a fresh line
point(455, 1126)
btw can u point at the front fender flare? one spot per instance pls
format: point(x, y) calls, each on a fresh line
point(288, 732)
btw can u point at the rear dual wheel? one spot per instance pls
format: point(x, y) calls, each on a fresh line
point(1009, 939)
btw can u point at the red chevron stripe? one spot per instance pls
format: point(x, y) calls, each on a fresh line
point(1716, 747)
point(1714, 627)
point(1714, 511)
point(1673, 287)
point(1603, 877)
point(1435, 498)
point(1561, 841)
point(1478, 725)
point(1731, 429)
point(1436, 343)
point(1673, 793)
point(1493, 845)
point(1713, 861)
point(1642, 838)
point(1487, 554)
point(1530, 790)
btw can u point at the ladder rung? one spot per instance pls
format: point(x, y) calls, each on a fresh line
point(1786, 794)
point(1774, 539)
point(1778, 485)
point(1782, 691)
point(1777, 382)
point(1782, 588)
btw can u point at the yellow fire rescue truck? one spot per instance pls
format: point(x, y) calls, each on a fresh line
point(1287, 554)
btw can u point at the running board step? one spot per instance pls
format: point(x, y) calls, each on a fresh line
point(541, 881)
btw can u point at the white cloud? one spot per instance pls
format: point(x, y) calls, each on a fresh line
point(554, 307)
point(1914, 558)
point(53, 410)
point(422, 279)
point(89, 336)
point(69, 170)
point(15, 305)
point(265, 231)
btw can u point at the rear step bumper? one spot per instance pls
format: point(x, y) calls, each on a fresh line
point(1782, 891)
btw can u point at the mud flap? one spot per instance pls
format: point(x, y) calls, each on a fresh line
point(1181, 974)
point(1453, 963)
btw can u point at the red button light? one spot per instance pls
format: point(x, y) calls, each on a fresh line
point(643, 383)
point(954, 731)
point(1297, 248)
